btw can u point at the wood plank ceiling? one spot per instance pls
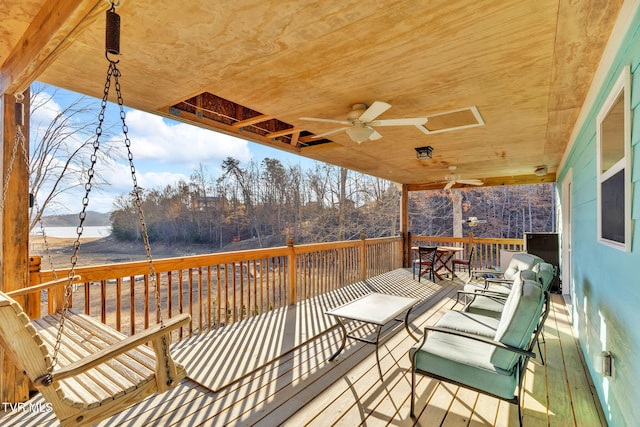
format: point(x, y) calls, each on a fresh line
point(253, 68)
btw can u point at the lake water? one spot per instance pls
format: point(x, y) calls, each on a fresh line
point(69, 232)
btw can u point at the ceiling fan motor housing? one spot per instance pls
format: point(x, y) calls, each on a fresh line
point(356, 111)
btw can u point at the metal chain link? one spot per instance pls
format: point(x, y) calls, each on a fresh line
point(115, 73)
point(143, 225)
point(18, 137)
point(82, 216)
point(36, 206)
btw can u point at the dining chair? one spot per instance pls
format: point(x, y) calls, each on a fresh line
point(465, 263)
point(425, 262)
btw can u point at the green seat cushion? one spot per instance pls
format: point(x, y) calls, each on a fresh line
point(520, 316)
point(486, 306)
point(469, 322)
point(465, 361)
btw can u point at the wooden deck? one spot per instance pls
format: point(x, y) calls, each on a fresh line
point(295, 385)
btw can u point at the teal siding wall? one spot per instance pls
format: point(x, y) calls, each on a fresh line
point(606, 281)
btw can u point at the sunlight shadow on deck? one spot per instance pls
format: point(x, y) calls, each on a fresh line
point(220, 358)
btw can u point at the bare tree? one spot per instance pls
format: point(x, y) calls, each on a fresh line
point(61, 143)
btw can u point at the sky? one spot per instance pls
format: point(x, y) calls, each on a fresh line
point(164, 151)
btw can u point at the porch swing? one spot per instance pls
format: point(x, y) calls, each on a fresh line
point(85, 370)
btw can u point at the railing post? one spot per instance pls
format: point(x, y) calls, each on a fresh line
point(291, 268)
point(35, 265)
point(363, 256)
point(470, 247)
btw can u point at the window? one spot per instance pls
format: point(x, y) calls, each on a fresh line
point(613, 146)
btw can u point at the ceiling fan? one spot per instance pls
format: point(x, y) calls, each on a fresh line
point(361, 120)
point(454, 179)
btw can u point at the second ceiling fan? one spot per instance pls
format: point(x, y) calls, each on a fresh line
point(454, 179)
point(361, 120)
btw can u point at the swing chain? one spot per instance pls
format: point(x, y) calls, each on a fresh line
point(19, 139)
point(36, 206)
point(115, 73)
point(137, 191)
point(68, 288)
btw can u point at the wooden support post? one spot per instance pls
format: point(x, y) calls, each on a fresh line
point(404, 226)
point(469, 247)
point(14, 235)
point(35, 265)
point(291, 271)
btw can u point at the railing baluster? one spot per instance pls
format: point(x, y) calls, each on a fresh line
point(273, 278)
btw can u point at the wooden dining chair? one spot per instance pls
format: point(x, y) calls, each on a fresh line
point(425, 262)
point(464, 263)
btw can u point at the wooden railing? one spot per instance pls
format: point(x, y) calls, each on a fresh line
point(221, 288)
point(486, 252)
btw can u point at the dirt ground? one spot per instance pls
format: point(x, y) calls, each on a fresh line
point(105, 250)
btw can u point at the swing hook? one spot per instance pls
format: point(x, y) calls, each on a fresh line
point(112, 38)
point(19, 109)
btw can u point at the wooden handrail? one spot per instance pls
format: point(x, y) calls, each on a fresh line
point(222, 288)
point(43, 286)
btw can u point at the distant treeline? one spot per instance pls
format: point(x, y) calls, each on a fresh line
point(270, 201)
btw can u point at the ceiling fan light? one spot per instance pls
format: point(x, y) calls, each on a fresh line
point(359, 133)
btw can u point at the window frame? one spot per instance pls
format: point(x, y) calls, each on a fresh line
point(621, 87)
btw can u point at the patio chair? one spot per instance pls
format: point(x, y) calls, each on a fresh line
point(491, 298)
point(425, 262)
point(465, 263)
point(491, 365)
point(486, 306)
point(519, 262)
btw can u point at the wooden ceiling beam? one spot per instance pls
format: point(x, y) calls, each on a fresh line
point(282, 133)
point(489, 182)
point(252, 121)
point(49, 34)
point(204, 122)
point(294, 139)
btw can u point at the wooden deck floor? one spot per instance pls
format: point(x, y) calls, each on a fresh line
point(300, 387)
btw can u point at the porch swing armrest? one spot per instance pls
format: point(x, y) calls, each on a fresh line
point(148, 335)
point(42, 286)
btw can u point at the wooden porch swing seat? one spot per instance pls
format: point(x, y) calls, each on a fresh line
point(99, 371)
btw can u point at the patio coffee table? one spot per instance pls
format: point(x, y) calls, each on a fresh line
point(374, 309)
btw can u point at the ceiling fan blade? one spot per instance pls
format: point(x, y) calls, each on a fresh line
point(470, 181)
point(416, 121)
point(377, 108)
point(331, 132)
point(449, 185)
point(375, 135)
point(315, 119)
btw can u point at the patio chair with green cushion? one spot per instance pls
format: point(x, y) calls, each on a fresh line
point(424, 262)
point(491, 365)
point(491, 299)
point(520, 261)
point(485, 309)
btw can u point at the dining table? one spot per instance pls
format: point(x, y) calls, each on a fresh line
point(442, 260)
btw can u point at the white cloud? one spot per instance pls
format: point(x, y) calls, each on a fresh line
point(179, 144)
point(164, 152)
